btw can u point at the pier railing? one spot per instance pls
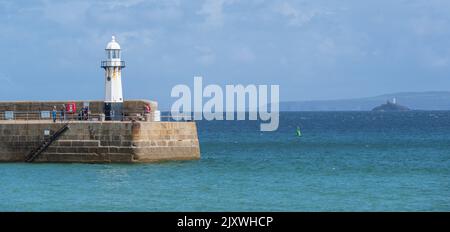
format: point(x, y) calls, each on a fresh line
point(126, 116)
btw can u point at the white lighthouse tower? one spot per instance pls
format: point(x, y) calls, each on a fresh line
point(113, 81)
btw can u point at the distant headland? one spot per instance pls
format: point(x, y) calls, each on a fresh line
point(432, 100)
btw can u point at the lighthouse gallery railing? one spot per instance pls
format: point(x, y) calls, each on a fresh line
point(108, 63)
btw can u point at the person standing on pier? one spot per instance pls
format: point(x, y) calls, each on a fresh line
point(63, 111)
point(54, 114)
point(147, 109)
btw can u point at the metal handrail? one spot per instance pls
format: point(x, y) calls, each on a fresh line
point(127, 116)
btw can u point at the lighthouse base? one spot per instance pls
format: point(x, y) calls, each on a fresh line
point(113, 111)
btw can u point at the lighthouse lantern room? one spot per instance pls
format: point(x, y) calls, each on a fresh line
point(113, 81)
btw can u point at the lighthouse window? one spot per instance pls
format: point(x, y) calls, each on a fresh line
point(115, 54)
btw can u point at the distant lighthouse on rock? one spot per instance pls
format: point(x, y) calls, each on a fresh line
point(113, 81)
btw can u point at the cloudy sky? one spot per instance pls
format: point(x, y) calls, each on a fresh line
point(315, 49)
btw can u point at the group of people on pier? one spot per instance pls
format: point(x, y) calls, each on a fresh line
point(83, 114)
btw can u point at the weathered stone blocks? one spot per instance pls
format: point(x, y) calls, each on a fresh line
point(98, 142)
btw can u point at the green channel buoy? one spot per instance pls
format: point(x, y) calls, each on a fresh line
point(299, 133)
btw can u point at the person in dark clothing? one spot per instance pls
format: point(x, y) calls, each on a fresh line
point(63, 113)
point(85, 113)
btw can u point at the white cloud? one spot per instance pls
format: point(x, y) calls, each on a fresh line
point(66, 13)
point(6, 81)
point(244, 55)
point(121, 3)
point(206, 55)
point(213, 11)
point(327, 46)
point(426, 26)
point(144, 37)
point(440, 62)
point(296, 16)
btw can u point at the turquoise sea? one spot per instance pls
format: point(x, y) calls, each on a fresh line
point(345, 161)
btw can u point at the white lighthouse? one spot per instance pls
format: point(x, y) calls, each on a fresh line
point(113, 81)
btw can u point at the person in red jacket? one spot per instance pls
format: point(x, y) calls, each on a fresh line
point(148, 109)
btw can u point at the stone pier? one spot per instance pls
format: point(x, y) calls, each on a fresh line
point(100, 142)
point(136, 139)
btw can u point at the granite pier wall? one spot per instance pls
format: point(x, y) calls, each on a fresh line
point(100, 142)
